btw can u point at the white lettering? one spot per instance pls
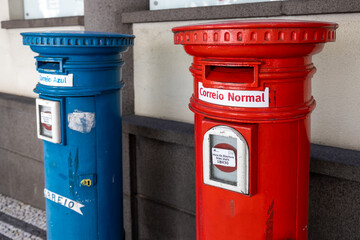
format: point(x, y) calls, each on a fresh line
point(234, 98)
point(66, 202)
point(56, 80)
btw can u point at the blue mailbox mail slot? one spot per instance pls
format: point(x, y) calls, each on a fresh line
point(79, 119)
point(50, 65)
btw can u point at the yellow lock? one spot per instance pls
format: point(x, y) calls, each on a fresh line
point(86, 182)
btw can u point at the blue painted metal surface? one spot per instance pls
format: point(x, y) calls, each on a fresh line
point(83, 174)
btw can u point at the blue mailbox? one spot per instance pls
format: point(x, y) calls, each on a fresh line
point(79, 118)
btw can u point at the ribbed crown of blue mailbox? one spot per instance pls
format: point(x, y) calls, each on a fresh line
point(90, 59)
point(77, 39)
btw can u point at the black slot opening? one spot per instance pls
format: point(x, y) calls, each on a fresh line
point(48, 66)
point(230, 74)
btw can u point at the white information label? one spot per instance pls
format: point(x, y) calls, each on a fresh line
point(234, 98)
point(223, 157)
point(56, 80)
point(66, 202)
point(46, 118)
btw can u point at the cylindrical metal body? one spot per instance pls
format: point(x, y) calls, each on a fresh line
point(252, 103)
point(79, 118)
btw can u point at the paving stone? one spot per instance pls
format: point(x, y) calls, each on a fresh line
point(23, 212)
point(20, 221)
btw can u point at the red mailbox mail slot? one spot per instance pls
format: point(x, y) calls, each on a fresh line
point(252, 103)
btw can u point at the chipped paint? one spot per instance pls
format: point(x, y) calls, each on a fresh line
point(269, 234)
point(73, 167)
point(232, 208)
point(81, 121)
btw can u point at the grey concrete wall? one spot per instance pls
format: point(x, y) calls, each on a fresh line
point(105, 16)
point(21, 160)
point(159, 190)
point(334, 208)
point(45, 22)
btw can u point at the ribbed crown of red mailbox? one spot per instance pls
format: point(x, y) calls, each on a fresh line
point(255, 32)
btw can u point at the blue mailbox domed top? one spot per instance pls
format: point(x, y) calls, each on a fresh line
point(73, 63)
point(77, 39)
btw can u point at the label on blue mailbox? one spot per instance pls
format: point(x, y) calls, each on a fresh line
point(56, 80)
point(64, 201)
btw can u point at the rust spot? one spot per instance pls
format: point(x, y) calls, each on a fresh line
point(275, 98)
point(267, 36)
point(232, 208)
point(270, 222)
point(239, 36)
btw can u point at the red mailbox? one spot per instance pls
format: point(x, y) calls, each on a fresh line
point(252, 103)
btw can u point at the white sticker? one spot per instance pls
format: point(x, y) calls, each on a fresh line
point(56, 80)
point(66, 202)
point(234, 98)
point(46, 118)
point(81, 121)
point(223, 157)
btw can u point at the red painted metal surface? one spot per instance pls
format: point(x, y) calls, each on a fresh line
point(253, 56)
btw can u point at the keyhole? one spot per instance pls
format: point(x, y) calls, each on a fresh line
point(86, 182)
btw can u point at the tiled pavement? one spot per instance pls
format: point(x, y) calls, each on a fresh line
point(21, 221)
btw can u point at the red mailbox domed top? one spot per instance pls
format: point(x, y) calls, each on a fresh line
point(243, 32)
point(268, 57)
